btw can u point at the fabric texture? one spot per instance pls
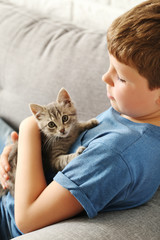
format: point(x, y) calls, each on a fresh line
point(5, 131)
point(8, 228)
point(115, 171)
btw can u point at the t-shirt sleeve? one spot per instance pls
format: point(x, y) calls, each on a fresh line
point(98, 178)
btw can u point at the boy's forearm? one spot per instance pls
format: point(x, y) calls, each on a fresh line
point(30, 180)
point(37, 205)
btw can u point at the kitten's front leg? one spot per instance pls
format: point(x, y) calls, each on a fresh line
point(88, 124)
point(61, 161)
point(79, 151)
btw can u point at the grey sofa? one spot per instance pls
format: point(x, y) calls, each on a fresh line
point(38, 56)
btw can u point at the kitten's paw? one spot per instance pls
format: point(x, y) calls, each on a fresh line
point(80, 150)
point(94, 122)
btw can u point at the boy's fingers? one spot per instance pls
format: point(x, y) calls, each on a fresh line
point(4, 166)
point(14, 136)
point(4, 158)
point(3, 175)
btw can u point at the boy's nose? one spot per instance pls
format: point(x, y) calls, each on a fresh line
point(108, 79)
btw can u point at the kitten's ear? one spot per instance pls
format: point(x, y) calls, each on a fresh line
point(63, 96)
point(36, 110)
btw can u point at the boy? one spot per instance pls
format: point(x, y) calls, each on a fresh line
point(120, 167)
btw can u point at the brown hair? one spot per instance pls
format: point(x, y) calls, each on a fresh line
point(134, 39)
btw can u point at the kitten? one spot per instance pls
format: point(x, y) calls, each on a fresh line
point(59, 128)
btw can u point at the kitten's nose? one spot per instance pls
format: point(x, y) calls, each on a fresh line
point(62, 130)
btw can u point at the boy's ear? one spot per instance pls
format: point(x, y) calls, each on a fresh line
point(158, 98)
point(158, 101)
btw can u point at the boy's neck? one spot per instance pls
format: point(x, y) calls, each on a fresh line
point(153, 119)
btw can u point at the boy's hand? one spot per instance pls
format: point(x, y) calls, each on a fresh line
point(4, 165)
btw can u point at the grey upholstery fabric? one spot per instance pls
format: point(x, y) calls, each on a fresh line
point(38, 56)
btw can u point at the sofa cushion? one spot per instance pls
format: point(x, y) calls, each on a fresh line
point(141, 223)
point(40, 55)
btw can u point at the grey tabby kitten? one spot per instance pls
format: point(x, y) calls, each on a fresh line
point(59, 128)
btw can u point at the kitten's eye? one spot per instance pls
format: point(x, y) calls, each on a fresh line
point(65, 118)
point(51, 124)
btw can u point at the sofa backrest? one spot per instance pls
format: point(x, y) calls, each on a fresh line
point(39, 55)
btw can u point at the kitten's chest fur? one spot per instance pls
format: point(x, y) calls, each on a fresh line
point(55, 146)
point(55, 149)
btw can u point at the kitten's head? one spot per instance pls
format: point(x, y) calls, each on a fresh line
point(57, 118)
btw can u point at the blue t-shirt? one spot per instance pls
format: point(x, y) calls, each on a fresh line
point(119, 168)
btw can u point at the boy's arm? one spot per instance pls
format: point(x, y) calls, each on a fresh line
point(36, 204)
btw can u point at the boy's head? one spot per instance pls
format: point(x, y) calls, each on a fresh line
point(134, 39)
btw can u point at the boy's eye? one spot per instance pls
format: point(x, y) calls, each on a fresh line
point(65, 118)
point(121, 80)
point(51, 124)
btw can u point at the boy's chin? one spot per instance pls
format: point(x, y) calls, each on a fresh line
point(115, 107)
